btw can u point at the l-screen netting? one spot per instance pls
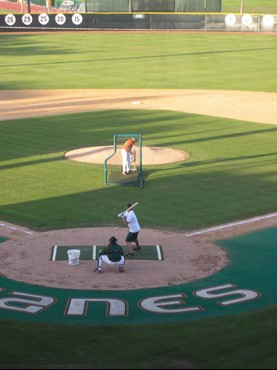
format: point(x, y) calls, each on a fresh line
point(115, 164)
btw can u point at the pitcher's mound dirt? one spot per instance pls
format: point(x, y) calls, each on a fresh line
point(150, 155)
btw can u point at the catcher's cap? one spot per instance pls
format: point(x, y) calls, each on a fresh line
point(133, 139)
point(113, 239)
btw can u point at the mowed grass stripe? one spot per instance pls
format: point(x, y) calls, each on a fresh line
point(139, 60)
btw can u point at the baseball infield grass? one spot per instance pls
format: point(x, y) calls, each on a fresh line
point(231, 174)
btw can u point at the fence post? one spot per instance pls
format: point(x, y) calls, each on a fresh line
point(241, 6)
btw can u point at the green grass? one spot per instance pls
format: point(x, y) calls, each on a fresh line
point(3, 239)
point(241, 342)
point(230, 165)
point(135, 60)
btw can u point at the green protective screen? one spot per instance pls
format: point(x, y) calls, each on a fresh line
point(113, 164)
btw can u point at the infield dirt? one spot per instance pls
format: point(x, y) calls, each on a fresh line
point(240, 105)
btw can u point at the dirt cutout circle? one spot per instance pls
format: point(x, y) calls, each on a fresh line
point(27, 258)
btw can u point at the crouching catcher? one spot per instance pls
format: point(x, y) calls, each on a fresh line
point(112, 254)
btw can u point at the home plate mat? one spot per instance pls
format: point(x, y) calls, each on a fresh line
point(91, 252)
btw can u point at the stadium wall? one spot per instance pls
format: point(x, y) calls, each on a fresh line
point(138, 21)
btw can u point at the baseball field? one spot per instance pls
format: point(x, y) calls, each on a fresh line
point(213, 96)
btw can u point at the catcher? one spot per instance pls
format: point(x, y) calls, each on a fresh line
point(112, 255)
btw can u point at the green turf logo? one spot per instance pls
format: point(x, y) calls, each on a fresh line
point(243, 285)
point(115, 307)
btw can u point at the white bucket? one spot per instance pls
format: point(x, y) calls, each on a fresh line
point(73, 257)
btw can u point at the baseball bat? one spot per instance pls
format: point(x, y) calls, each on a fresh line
point(128, 209)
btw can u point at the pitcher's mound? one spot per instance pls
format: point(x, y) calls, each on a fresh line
point(150, 155)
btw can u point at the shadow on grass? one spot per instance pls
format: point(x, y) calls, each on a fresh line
point(39, 136)
point(219, 163)
point(223, 180)
point(198, 199)
point(137, 57)
point(30, 46)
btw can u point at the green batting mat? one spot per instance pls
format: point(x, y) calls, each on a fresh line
point(115, 177)
point(147, 252)
point(3, 239)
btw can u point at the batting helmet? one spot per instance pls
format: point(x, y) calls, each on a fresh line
point(113, 239)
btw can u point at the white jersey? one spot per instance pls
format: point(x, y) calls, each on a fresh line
point(132, 220)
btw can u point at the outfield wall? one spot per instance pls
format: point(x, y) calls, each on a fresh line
point(138, 21)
